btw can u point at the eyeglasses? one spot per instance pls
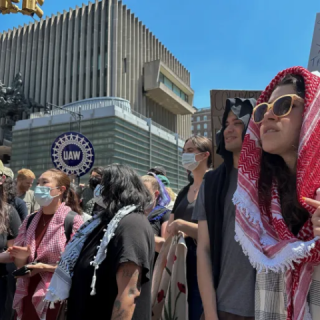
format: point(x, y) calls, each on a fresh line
point(281, 107)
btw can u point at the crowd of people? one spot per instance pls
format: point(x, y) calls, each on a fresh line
point(240, 241)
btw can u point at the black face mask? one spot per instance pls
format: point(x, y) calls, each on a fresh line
point(93, 182)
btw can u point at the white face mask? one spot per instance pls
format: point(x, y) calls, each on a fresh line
point(189, 161)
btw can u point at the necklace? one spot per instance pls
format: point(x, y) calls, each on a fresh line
point(44, 221)
point(195, 189)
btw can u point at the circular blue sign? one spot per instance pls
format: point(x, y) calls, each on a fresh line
point(72, 153)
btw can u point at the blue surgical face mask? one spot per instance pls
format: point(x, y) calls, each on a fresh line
point(43, 196)
point(98, 197)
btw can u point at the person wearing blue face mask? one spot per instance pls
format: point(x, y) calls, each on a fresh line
point(99, 204)
point(197, 158)
point(41, 240)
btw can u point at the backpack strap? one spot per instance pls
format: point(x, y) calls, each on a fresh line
point(30, 218)
point(68, 224)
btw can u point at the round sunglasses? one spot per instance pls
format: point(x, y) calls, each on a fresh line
point(281, 107)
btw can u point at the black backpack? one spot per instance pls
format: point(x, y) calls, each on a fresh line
point(68, 223)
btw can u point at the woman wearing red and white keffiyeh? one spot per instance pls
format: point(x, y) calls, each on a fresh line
point(42, 238)
point(280, 166)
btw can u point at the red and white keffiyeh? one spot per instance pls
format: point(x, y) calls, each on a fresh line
point(265, 238)
point(49, 252)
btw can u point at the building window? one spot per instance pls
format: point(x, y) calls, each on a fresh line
point(205, 118)
point(205, 126)
point(198, 126)
point(205, 134)
point(99, 61)
point(176, 90)
point(198, 118)
point(192, 128)
point(168, 83)
point(124, 65)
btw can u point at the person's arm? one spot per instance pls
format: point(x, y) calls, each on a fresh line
point(14, 224)
point(41, 267)
point(128, 282)
point(158, 243)
point(189, 228)
point(171, 219)
point(20, 255)
point(164, 228)
point(204, 272)
point(5, 256)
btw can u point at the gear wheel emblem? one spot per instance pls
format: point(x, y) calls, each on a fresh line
point(72, 153)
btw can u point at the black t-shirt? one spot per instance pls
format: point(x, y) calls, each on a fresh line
point(133, 241)
point(14, 224)
point(21, 208)
point(184, 209)
point(157, 218)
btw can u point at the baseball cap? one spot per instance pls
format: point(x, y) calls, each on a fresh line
point(6, 171)
point(158, 170)
point(164, 180)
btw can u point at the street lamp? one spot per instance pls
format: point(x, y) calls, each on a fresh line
point(76, 115)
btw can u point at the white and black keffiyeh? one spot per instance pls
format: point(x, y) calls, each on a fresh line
point(61, 281)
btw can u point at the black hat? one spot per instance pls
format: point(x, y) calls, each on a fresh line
point(158, 170)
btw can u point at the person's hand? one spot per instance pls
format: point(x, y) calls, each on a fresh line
point(316, 216)
point(20, 252)
point(82, 185)
point(174, 227)
point(40, 267)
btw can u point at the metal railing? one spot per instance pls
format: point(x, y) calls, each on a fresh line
point(88, 104)
point(94, 103)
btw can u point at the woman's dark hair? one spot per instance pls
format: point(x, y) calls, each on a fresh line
point(122, 186)
point(10, 190)
point(296, 81)
point(4, 213)
point(69, 196)
point(274, 168)
point(98, 170)
point(77, 189)
point(203, 144)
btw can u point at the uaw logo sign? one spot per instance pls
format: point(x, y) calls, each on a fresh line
point(72, 153)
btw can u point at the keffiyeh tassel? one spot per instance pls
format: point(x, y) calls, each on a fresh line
point(62, 279)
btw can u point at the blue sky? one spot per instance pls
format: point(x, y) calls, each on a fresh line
point(225, 44)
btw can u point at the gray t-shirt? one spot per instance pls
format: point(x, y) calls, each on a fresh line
point(235, 293)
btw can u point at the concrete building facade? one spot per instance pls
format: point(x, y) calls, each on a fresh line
point(117, 133)
point(99, 50)
point(201, 123)
point(218, 102)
